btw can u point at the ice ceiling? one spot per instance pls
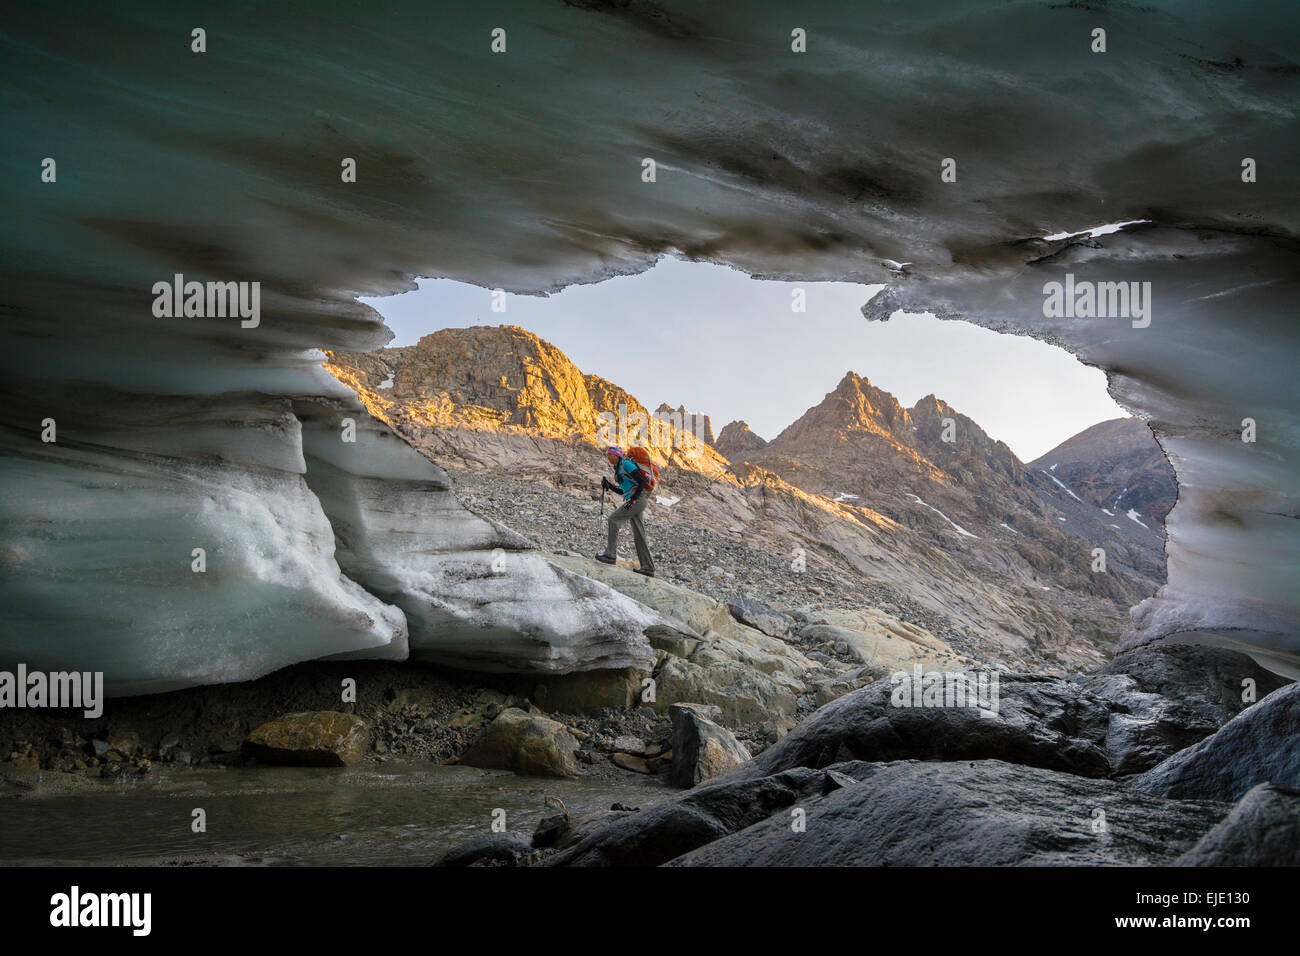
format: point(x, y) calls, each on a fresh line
point(523, 170)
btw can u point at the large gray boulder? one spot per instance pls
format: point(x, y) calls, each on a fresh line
point(701, 749)
point(1040, 721)
point(699, 816)
point(1263, 829)
point(1168, 697)
point(1259, 745)
point(1209, 680)
point(905, 813)
point(758, 615)
point(986, 813)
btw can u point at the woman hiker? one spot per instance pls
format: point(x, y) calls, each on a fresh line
point(635, 482)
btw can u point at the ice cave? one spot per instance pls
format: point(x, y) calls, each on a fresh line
point(591, 140)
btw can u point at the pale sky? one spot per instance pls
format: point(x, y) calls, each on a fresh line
point(719, 342)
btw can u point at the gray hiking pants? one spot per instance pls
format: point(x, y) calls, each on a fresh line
point(630, 511)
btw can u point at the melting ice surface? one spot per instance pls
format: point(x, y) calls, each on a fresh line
point(193, 433)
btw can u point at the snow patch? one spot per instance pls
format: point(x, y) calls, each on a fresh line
point(1134, 516)
point(1063, 487)
point(388, 382)
point(1095, 231)
point(959, 528)
point(1008, 527)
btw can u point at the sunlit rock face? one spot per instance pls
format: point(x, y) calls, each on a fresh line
point(525, 170)
point(1220, 349)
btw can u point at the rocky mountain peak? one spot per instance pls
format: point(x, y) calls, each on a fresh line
point(854, 406)
point(505, 369)
point(697, 423)
point(737, 440)
point(1116, 465)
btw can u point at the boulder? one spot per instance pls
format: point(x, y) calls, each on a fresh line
point(760, 616)
point(495, 849)
point(983, 813)
point(905, 813)
point(587, 691)
point(680, 824)
point(701, 749)
point(321, 738)
point(1257, 746)
point(833, 688)
point(528, 744)
point(1208, 680)
point(742, 693)
point(1145, 728)
point(1040, 721)
point(1263, 829)
point(1167, 697)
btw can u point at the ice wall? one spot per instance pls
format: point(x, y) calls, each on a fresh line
point(525, 169)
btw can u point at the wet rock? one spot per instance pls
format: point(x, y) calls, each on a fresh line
point(126, 743)
point(1040, 721)
point(681, 824)
point(551, 830)
point(983, 813)
point(528, 744)
point(1145, 728)
point(321, 738)
point(1263, 829)
point(701, 749)
point(24, 759)
point(1257, 746)
point(494, 849)
point(1208, 680)
point(1168, 697)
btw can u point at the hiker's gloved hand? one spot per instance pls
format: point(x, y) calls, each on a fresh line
point(607, 485)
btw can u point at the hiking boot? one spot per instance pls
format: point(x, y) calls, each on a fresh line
point(603, 558)
point(648, 574)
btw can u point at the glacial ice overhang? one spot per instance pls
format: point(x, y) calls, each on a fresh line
point(523, 170)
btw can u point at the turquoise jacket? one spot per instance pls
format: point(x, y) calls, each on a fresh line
point(630, 479)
